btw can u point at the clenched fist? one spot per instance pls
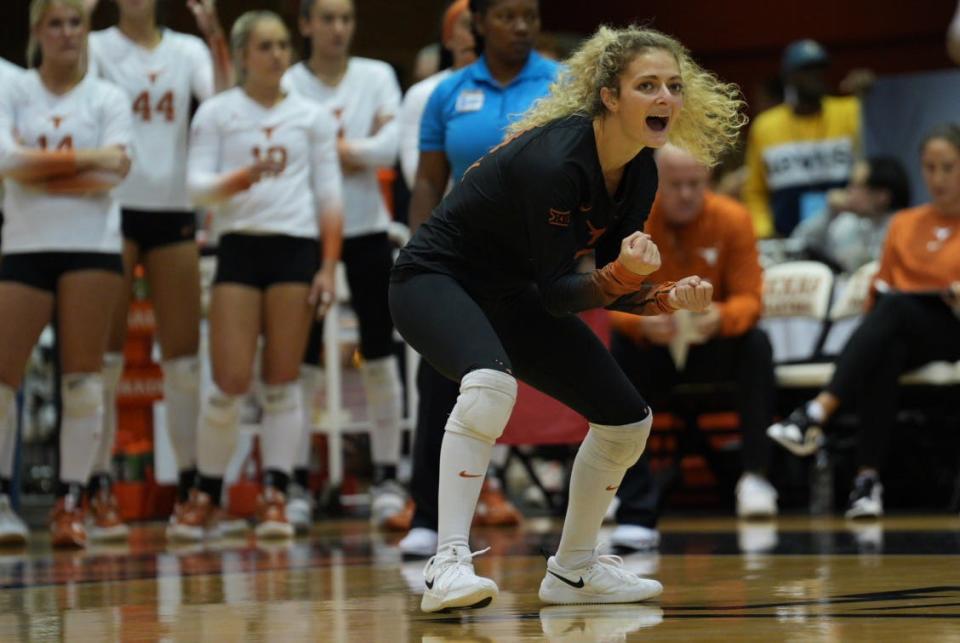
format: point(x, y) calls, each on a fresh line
point(639, 254)
point(691, 293)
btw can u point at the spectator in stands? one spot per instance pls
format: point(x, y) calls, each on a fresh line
point(699, 232)
point(849, 232)
point(466, 116)
point(802, 148)
point(915, 320)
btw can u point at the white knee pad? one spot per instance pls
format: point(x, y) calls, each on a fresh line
point(217, 432)
point(381, 380)
point(616, 448)
point(280, 397)
point(182, 373)
point(221, 410)
point(82, 394)
point(484, 405)
point(112, 371)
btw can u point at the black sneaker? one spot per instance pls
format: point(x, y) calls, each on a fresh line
point(798, 434)
point(866, 499)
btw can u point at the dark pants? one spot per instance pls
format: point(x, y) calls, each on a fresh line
point(745, 360)
point(457, 332)
point(901, 333)
point(367, 259)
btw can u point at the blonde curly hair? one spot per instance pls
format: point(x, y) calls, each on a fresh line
point(708, 124)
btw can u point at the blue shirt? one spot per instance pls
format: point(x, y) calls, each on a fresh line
point(469, 112)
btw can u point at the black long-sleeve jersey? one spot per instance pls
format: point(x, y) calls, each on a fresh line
point(528, 210)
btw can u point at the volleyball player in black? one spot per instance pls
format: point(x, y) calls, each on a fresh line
point(487, 289)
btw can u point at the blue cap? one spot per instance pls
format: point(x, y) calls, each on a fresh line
point(803, 53)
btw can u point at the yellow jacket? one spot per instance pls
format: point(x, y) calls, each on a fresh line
point(793, 160)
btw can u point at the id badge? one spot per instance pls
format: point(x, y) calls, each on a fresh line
point(470, 100)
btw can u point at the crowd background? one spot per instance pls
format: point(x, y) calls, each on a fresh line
point(741, 41)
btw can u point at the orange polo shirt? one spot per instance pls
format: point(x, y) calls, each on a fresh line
point(922, 250)
point(720, 246)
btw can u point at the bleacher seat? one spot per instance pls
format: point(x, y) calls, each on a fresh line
point(796, 302)
point(805, 339)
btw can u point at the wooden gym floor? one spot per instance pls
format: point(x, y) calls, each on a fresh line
point(799, 579)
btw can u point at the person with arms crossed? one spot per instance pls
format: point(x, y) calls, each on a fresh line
point(496, 263)
point(64, 136)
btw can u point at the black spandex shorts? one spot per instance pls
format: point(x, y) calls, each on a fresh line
point(261, 261)
point(43, 270)
point(367, 260)
point(155, 229)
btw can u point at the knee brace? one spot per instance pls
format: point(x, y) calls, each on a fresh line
point(112, 371)
point(217, 434)
point(280, 397)
point(381, 380)
point(484, 405)
point(82, 395)
point(616, 448)
point(182, 373)
point(221, 410)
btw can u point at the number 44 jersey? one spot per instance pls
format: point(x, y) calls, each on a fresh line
point(159, 84)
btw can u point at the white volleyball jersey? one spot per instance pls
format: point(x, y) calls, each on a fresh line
point(92, 115)
point(367, 96)
point(159, 84)
point(231, 131)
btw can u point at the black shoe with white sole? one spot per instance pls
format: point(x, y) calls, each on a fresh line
point(798, 433)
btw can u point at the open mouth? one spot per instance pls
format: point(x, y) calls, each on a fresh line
point(658, 123)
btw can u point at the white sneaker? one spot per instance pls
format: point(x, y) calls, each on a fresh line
point(13, 531)
point(756, 497)
point(635, 537)
point(602, 580)
point(299, 509)
point(451, 582)
point(419, 542)
point(387, 500)
point(866, 499)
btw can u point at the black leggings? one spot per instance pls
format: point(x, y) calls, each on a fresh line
point(367, 260)
point(513, 333)
point(901, 333)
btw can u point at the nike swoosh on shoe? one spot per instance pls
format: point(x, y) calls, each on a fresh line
point(569, 582)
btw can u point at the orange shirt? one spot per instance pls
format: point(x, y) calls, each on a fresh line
point(922, 250)
point(720, 246)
